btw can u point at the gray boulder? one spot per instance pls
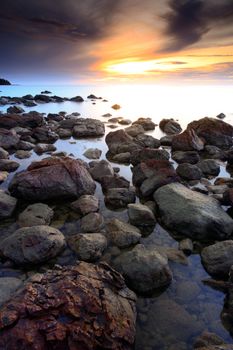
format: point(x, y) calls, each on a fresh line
point(218, 258)
point(92, 222)
point(144, 270)
point(32, 245)
point(192, 214)
point(121, 234)
point(88, 246)
point(86, 204)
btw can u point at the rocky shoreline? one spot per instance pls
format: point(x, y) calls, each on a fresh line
point(48, 272)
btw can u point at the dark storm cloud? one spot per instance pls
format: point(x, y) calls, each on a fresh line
point(68, 19)
point(189, 20)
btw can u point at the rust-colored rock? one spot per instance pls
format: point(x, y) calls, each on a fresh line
point(215, 132)
point(187, 141)
point(53, 178)
point(85, 307)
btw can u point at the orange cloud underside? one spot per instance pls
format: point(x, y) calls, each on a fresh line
point(134, 54)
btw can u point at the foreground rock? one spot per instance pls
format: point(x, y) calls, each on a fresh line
point(218, 258)
point(80, 307)
point(7, 205)
point(32, 245)
point(53, 178)
point(145, 270)
point(192, 214)
point(36, 214)
point(88, 246)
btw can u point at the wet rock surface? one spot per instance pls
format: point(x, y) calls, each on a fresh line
point(53, 178)
point(82, 306)
point(32, 245)
point(192, 214)
point(144, 270)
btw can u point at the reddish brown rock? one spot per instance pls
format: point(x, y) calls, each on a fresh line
point(215, 132)
point(84, 307)
point(53, 178)
point(187, 141)
point(149, 168)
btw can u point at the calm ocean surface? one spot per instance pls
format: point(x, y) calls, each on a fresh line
point(187, 295)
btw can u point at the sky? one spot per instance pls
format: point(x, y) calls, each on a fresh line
point(102, 41)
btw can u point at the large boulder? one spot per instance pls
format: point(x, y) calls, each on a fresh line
point(192, 214)
point(88, 128)
point(80, 307)
point(215, 132)
point(53, 178)
point(32, 245)
point(218, 258)
point(144, 270)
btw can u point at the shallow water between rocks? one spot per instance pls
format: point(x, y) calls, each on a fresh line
point(169, 319)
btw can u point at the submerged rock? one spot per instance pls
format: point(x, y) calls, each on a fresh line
point(192, 214)
point(144, 270)
point(92, 153)
point(75, 307)
point(53, 178)
point(32, 245)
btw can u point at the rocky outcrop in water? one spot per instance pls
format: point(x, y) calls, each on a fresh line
point(192, 214)
point(75, 307)
point(53, 178)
